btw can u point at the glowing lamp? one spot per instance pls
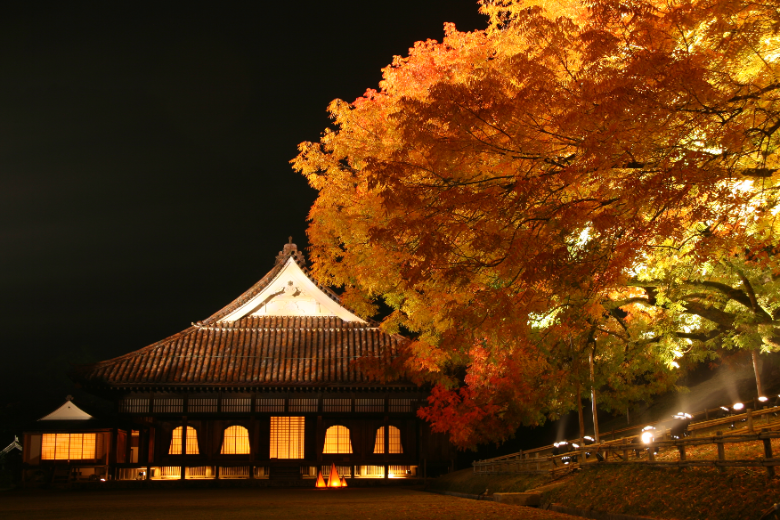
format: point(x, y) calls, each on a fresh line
point(681, 422)
point(763, 398)
point(320, 481)
point(647, 435)
point(333, 480)
point(738, 407)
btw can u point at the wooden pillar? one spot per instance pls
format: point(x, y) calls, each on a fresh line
point(183, 446)
point(111, 453)
point(721, 452)
point(681, 449)
point(253, 449)
point(320, 441)
point(387, 445)
point(770, 470)
point(749, 413)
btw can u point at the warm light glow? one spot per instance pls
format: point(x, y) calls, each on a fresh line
point(320, 481)
point(763, 399)
point(192, 441)
point(738, 406)
point(68, 446)
point(287, 437)
point(334, 480)
point(394, 441)
point(402, 471)
point(236, 441)
point(337, 440)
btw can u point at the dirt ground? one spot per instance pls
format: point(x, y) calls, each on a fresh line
point(235, 504)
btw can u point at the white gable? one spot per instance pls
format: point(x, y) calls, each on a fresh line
point(67, 412)
point(291, 293)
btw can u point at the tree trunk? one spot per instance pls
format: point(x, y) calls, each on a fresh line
point(593, 399)
point(579, 411)
point(757, 371)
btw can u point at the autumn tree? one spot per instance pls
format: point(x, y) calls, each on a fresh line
point(460, 191)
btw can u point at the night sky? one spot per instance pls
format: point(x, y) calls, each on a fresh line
point(144, 161)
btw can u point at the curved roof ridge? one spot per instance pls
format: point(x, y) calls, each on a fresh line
point(290, 250)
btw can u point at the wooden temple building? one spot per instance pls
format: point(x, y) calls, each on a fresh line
point(269, 387)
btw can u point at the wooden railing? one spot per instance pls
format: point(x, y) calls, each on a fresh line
point(541, 460)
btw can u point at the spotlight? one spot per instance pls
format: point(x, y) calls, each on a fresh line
point(763, 399)
point(588, 440)
point(738, 407)
point(561, 447)
point(681, 422)
point(648, 436)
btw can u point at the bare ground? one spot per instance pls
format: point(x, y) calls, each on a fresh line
point(235, 504)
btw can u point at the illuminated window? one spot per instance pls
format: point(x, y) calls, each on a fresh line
point(192, 441)
point(68, 446)
point(287, 437)
point(236, 441)
point(337, 440)
point(394, 444)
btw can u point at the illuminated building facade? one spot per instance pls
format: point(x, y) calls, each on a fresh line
point(272, 386)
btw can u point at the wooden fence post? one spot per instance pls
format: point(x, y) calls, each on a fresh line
point(650, 452)
point(681, 449)
point(749, 413)
point(770, 470)
point(721, 451)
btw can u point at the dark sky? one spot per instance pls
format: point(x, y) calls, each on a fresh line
point(144, 158)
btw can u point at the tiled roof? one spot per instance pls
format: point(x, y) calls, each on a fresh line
point(262, 351)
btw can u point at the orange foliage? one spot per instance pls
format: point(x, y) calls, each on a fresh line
point(501, 184)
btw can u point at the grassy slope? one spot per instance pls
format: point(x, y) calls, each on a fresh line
point(465, 481)
point(653, 492)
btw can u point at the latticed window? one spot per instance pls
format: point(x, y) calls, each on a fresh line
point(176, 440)
point(337, 440)
point(168, 406)
point(393, 442)
point(68, 446)
point(236, 405)
point(302, 405)
point(236, 441)
point(270, 405)
point(134, 405)
point(200, 405)
point(287, 437)
point(369, 405)
point(402, 405)
point(337, 405)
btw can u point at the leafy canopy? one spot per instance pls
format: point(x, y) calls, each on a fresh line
point(502, 186)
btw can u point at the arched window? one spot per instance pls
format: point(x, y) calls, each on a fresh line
point(337, 440)
point(192, 441)
point(394, 441)
point(236, 441)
